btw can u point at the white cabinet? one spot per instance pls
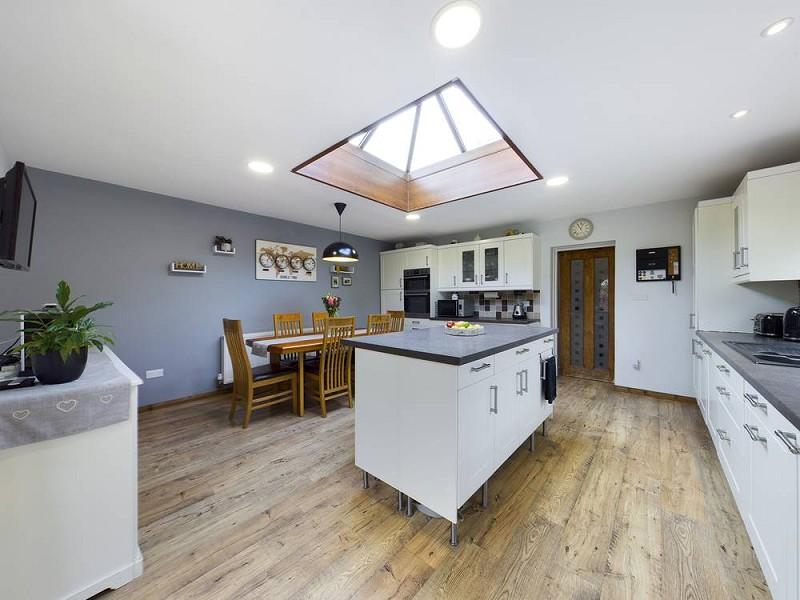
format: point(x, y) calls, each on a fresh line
point(420, 259)
point(491, 268)
point(475, 436)
point(530, 411)
point(773, 503)
point(449, 266)
point(720, 304)
point(758, 449)
point(766, 210)
point(518, 259)
point(391, 300)
point(468, 265)
point(392, 266)
point(505, 386)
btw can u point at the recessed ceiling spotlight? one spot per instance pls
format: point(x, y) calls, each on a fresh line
point(740, 113)
point(259, 166)
point(556, 181)
point(412, 217)
point(777, 27)
point(457, 24)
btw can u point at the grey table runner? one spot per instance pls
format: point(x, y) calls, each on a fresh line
point(100, 397)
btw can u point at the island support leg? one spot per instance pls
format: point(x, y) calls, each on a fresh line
point(544, 428)
point(399, 501)
point(485, 494)
point(366, 480)
point(409, 507)
point(530, 448)
point(453, 534)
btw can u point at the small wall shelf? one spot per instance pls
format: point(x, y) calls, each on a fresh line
point(223, 252)
point(174, 269)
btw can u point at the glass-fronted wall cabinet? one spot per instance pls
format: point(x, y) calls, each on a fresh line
point(469, 267)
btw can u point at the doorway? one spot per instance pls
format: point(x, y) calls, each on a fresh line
point(586, 313)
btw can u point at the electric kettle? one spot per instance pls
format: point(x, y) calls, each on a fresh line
point(519, 313)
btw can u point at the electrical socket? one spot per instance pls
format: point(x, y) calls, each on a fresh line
point(153, 373)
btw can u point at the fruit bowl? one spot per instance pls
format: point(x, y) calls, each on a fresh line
point(463, 328)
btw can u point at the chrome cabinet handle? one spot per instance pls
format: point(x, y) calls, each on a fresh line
point(723, 392)
point(753, 400)
point(525, 389)
point(426, 261)
point(506, 278)
point(692, 317)
point(753, 433)
point(723, 369)
point(548, 341)
point(454, 280)
point(707, 353)
point(519, 383)
point(493, 390)
point(481, 368)
point(736, 266)
point(789, 439)
point(523, 351)
point(723, 435)
point(745, 256)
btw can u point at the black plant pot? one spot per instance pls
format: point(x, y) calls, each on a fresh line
point(50, 368)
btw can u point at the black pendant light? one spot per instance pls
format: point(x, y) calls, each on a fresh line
point(340, 252)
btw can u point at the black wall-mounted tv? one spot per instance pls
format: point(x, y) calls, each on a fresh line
point(17, 219)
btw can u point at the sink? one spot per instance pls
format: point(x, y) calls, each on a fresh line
point(779, 353)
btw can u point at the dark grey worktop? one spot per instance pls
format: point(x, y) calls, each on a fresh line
point(780, 386)
point(494, 321)
point(435, 345)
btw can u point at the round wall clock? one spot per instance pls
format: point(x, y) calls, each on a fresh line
point(580, 229)
point(309, 264)
point(282, 261)
point(267, 260)
point(296, 262)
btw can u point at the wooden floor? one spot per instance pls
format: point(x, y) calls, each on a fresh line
point(624, 498)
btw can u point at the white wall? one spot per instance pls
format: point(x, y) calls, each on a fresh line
point(651, 323)
point(5, 165)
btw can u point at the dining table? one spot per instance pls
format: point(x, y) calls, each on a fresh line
point(276, 347)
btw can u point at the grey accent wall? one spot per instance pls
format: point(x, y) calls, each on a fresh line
point(114, 243)
point(5, 165)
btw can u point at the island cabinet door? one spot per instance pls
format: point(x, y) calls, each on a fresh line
point(505, 406)
point(530, 412)
point(475, 436)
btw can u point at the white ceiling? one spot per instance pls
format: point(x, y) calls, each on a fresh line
point(629, 98)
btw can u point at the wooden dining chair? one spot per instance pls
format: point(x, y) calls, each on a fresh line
point(377, 324)
point(332, 376)
point(259, 387)
point(318, 321)
point(288, 325)
point(398, 319)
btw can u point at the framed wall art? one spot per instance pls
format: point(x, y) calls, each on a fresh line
point(278, 261)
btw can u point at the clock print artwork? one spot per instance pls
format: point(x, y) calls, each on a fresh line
point(580, 229)
point(278, 261)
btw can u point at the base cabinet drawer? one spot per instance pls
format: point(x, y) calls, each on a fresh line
point(772, 512)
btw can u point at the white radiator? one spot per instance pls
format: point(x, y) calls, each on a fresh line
point(226, 375)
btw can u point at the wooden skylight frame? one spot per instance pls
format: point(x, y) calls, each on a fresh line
point(493, 166)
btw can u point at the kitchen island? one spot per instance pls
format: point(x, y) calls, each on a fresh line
point(436, 415)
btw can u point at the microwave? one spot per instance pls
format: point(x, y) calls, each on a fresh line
point(463, 307)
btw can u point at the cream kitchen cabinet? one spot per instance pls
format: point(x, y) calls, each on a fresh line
point(420, 258)
point(766, 210)
point(759, 451)
point(391, 300)
point(449, 266)
point(392, 266)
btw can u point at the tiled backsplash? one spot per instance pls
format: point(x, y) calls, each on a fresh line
point(502, 306)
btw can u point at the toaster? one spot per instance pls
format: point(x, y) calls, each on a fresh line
point(791, 324)
point(768, 324)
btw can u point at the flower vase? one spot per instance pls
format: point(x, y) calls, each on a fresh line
point(333, 312)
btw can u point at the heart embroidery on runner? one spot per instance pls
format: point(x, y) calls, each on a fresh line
point(67, 405)
point(106, 398)
point(21, 415)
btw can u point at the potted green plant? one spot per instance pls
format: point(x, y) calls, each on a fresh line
point(57, 338)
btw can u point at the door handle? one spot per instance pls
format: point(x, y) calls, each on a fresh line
point(493, 392)
point(426, 261)
point(523, 351)
point(519, 383)
point(723, 392)
point(707, 352)
point(723, 369)
point(753, 433)
point(789, 439)
point(736, 266)
point(745, 257)
point(506, 278)
point(753, 400)
point(525, 388)
point(481, 368)
point(692, 317)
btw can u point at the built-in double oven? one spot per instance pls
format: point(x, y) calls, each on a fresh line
point(417, 292)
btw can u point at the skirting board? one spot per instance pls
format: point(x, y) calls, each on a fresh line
point(653, 394)
point(113, 581)
point(222, 389)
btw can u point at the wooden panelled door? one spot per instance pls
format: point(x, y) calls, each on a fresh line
point(586, 313)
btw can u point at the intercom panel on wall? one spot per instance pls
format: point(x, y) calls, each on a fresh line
point(658, 264)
